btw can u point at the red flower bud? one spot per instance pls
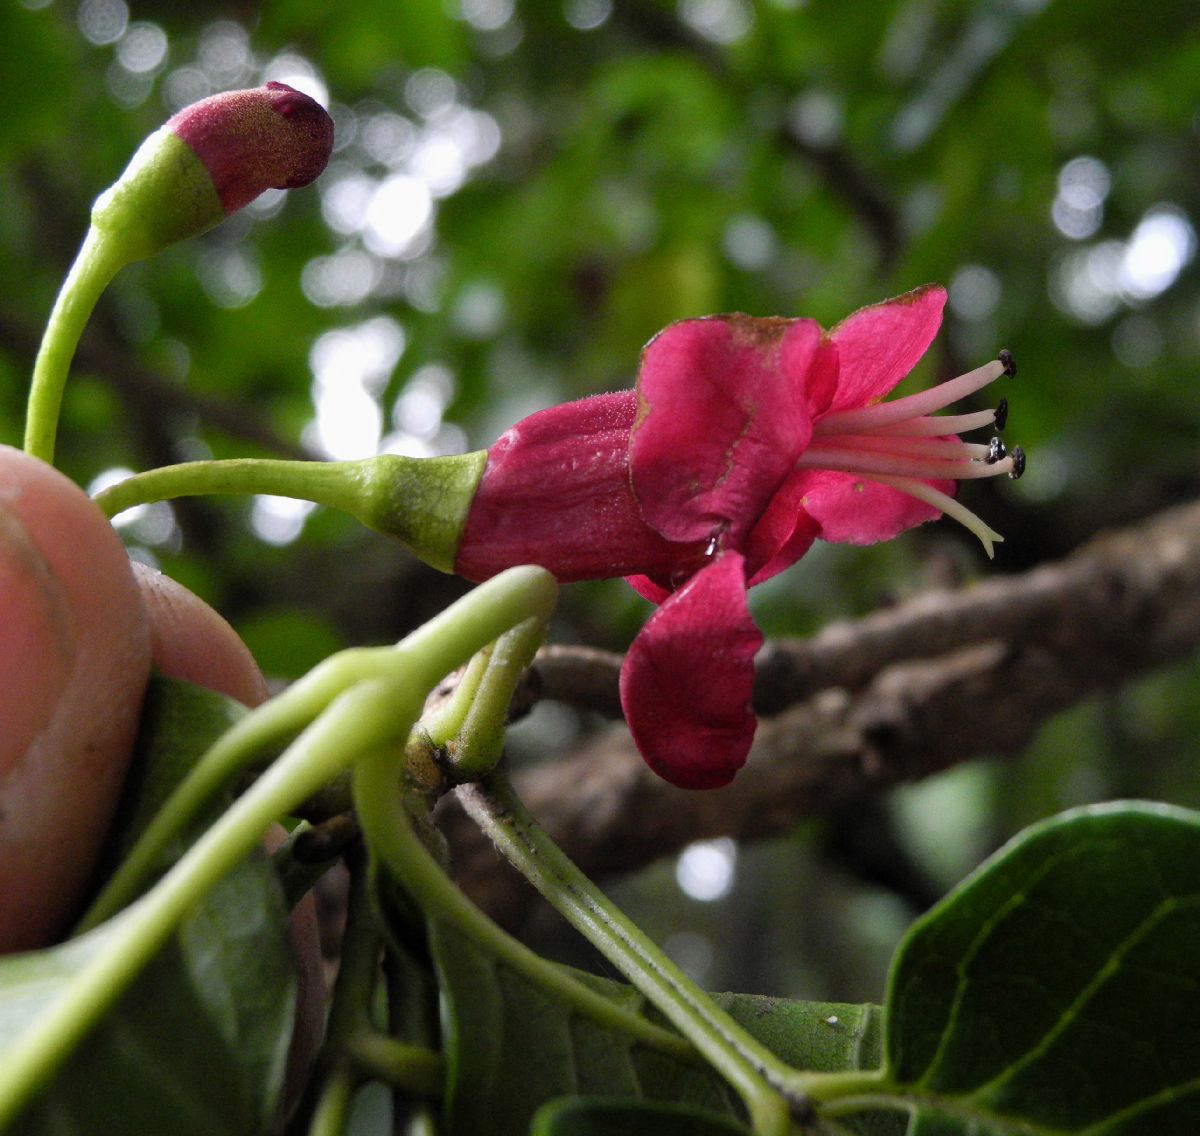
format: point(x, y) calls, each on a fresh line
point(272, 137)
point(208, 161)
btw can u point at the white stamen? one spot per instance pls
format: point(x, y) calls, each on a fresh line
point(948, 449)
point(905, 445)
point(932, 425)
point(915, 405)
point(871, 464)
point(988, 537)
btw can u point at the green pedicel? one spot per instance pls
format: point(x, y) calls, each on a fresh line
point(423, 502)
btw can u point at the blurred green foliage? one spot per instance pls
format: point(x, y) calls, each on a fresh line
point(524, 191)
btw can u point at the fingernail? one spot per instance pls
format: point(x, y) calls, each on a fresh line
point(36, 640)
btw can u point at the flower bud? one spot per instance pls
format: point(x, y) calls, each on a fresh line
point(208, 161)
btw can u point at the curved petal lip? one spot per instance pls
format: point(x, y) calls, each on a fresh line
point(855, 510)
point(727, 392)
point(688, 679)
point(879, 345)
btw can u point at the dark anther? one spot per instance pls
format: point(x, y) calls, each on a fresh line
point(996, 451)
point(1018, 463)
point(1002, 414)
point(1010, 364)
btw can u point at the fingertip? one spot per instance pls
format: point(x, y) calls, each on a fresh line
point(190, 641)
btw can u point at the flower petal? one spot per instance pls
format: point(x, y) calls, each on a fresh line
point(688, 678)
point(784, 533)
point(648, 589)
point(851, 509)
point(555, 492)
point(879, 345)
point(722, 418)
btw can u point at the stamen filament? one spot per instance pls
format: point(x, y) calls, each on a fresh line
point(871, 464)
point(988, 537)
point(913, 406)
point(948, 449)
point(931, 425)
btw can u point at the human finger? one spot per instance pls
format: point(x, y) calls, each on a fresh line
point(74, 659)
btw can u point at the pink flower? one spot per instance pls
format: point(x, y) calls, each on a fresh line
point(745, 440)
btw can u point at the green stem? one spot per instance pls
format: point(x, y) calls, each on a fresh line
point(281, 718)
point(480, 740)
point(411, 1068)
point(358, 965)
point(354, 1049)
point(349, 1010)
point(850, 1089)
point(772, 1091)
point(351, 1033)
point(362, 720)
point(333, 1109)
point(336, 484)
point(421, 501)
point(96, 263)
point(388, 829)
point(440, 724)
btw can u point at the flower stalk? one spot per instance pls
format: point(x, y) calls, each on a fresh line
point(98, 261)
point(423, 502)
point(203, 164)
point(770, 1089)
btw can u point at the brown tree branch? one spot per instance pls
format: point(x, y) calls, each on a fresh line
point(866, 704)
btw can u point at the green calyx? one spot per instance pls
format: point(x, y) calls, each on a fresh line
point(165, 195)
point(423, 502)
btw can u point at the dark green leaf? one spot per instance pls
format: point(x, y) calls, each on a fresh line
point(179, 722)
point(511, 1047)
point(1056, 990)
point(824, 1036)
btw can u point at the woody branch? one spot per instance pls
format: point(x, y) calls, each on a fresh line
point(896, 696)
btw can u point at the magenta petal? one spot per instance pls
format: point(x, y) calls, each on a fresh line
point(879, 345)
point(722, 418)
point(784, 533)
point(648, 589)
point(556, 492)
point(688, 678)
point(853, 510)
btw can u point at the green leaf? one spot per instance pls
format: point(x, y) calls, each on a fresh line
point(511, 1047)
point(199, 1042)
point(584, 1116)
point(179, 722)
point(1056, 990)
point(823, 1036)
point(197, 1045)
